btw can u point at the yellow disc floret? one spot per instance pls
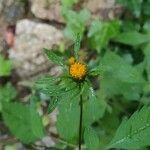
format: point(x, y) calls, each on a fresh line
point(71, 60)
point(78, 70)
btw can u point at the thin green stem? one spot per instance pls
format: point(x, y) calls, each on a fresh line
point(80, 124)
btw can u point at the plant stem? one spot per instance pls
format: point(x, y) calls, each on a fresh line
point(80, 125)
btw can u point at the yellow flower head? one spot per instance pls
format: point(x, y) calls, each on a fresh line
point(78, 70)
point(71, 60)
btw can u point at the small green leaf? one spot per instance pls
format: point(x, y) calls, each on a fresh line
point(77, 46)
point(68, 3)
point(55, 58)
point(91, 139)
point(133, 133)
point(75, 23)
point(7, 94)
point(23, 121)
point(5, 67)
point(100, 33)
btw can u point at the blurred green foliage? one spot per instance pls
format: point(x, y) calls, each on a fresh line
point(5, 66)
point(119, 51)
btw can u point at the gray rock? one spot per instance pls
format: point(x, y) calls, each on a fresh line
point(12, 10)
point(46, 9)
point(102, 9)
point(28, 54)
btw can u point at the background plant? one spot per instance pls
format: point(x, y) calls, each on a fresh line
point(116, 110)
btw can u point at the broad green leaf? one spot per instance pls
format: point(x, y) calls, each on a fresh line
point(68, 119)
point(55, 58)
point(5, 67)
point(91, 139)
point(120, 78)
point(133, 133)
point(100, 33)
point(93, 109)
point(23, 121)
point(133, 38)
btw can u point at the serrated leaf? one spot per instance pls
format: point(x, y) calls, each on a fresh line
point(133, 38)
point(91, 139)
point(54, 57)
point(23, 121)
point(120, 78)
point(133, 133)
point(48, 85)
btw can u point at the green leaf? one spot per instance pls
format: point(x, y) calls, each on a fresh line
point(23, 121)
point(55, 58)
point(68, 119)
point(145, 7)
point(135, 6)
point(75, 23)
point(48, 85)
point(5, 67)
point(68, 3)
point(93, 109)
point(133, 133)
point(133, 38)
point(77, 47)
point(53, 104)
point(7, 94)
point(120, 78)
point(147, 60)
point(146, 26)
point(91, 139)
point(100, 33)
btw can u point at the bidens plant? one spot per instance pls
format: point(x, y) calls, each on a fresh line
point(73, 93)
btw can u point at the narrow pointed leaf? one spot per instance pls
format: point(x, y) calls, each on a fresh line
point(54, 57)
